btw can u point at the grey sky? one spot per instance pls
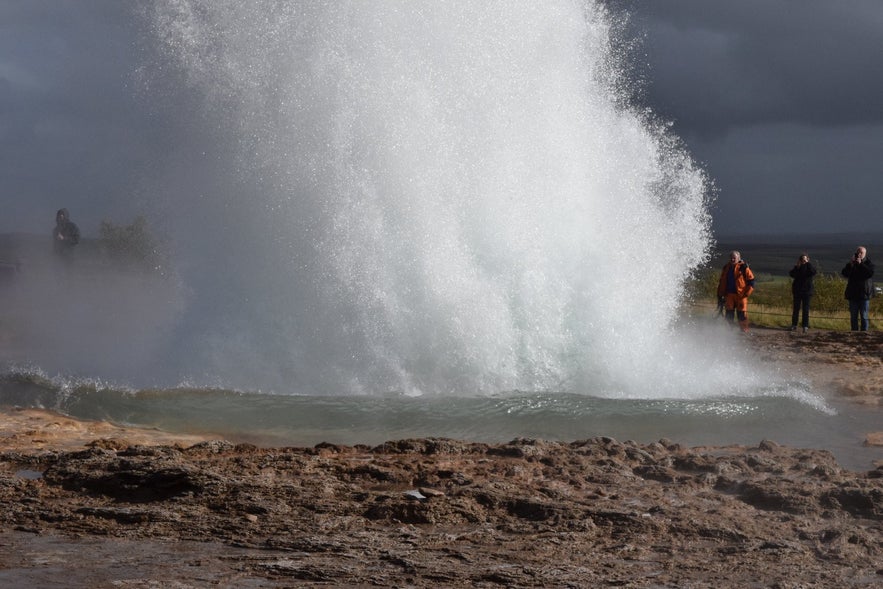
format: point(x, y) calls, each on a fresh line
point(71, 131)
point(779, 100)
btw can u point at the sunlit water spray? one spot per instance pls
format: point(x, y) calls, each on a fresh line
point(369, 202)
point(433, 198)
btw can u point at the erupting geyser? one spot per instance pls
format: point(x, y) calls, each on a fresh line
point(423, 197)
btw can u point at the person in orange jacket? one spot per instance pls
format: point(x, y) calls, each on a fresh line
point(735, 286)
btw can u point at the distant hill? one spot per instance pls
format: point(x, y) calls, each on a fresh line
point(770, 254)
point(29, 250)
point(777, 254)
point(794, 238)
point(17, 248)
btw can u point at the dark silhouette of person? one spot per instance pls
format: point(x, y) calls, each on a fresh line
point(66, 233)
point(859, 287)
point(802, 290)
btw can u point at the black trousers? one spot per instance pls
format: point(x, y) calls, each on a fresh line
point(801, 301)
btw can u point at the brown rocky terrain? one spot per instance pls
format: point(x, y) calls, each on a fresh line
point(94, 505)
point(848, 363)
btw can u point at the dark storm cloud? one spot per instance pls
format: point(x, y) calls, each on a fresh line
point(779, 100)
point(71, 133)
point(717, 65)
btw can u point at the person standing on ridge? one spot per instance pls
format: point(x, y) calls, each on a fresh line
point(802, 290)
point(66, 233)
point(735, 286)
point(859, 287)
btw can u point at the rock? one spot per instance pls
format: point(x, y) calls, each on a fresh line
point(874, 439)
point(526, 513)
point(431, 492)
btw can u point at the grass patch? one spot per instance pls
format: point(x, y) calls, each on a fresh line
point(771, 303)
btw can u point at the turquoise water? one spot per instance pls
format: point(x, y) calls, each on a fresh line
point(785, 415)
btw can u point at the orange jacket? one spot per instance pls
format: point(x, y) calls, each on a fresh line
point(744, 279)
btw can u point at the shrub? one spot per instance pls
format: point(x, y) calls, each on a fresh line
point(131, 245)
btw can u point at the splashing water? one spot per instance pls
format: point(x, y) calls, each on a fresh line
point(426, 197)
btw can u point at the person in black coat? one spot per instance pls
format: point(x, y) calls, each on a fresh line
point(66, 234)
point(859, 287)
point(802, 290)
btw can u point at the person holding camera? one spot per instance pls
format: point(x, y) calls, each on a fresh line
point(859, 287)
point(802, 290)
point(735, 286)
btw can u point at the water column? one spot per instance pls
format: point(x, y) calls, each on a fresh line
point(423, 197)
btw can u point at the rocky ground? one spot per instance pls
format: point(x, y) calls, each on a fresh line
point(850, 364)
point(94, 505)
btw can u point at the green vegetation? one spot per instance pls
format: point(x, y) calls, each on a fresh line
point(131, 245)
point(771, 303)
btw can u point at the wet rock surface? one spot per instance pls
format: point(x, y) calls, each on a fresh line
point(849, 364)
point(438, 512)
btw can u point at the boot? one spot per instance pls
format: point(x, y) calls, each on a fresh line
point(743, 324)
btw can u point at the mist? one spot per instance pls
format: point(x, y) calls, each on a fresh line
point(363, 200)
point(87, 316)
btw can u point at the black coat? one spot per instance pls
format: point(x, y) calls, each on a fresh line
point(802, 284)
point(859, 286)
